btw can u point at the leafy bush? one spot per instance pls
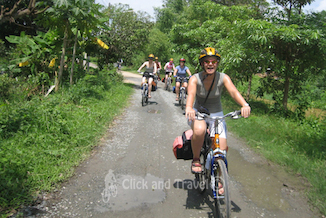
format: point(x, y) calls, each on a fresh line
point(6, 85)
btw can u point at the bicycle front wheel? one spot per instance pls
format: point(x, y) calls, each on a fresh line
point(222, 200)
point(143, 96)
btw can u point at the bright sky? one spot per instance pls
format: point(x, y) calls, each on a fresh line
point(147, 5)
point(316, 6)
point(136, 5)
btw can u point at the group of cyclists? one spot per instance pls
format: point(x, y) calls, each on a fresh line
point(153, 68)
point(204, 92)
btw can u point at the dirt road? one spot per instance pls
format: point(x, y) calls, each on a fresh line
point(135, 162)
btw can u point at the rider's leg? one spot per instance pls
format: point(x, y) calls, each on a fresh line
point(150, 80)
point(185, 84)
point(223, 144)
point(197, 140)
point(142, 81)
point(177, 90)
point(166, 78)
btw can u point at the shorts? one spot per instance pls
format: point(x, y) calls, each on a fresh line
point(167, 72)
point(179, 79)
point(222, 130)
point(146, 74)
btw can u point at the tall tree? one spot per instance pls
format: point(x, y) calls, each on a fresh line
point(128, 32)
point(299, 53)
point(246, 50)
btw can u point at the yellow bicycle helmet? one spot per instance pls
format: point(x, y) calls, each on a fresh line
point(209, 52)
point(151, 56)
point(156, 58)
point(171, 59)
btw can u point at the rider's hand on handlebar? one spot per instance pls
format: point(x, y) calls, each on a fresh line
point(190, 113)
point(174, 76)
point(245, 111)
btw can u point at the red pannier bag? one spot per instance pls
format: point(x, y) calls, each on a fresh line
point(182, 146)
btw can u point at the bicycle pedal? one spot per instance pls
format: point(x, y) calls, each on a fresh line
point(220, 197)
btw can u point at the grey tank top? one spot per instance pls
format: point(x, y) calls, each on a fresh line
point(213, 102)
point(150, 69)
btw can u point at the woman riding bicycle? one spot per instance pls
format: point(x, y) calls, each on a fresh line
point(169, 69)
point(204, 92)
point(159, 67)
point(150, 68)
point(181, 73)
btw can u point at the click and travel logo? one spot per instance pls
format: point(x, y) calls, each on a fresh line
point(150, 186)
point(111, 188)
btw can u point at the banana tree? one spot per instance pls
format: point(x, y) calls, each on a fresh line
point(68, 15)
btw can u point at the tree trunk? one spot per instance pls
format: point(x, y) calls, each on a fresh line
point(249, 88)
point(55, 80)
point(62, 60)
point(286, 92)
point(73, 59)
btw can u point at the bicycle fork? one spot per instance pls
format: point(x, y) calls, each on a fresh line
point(215, 168)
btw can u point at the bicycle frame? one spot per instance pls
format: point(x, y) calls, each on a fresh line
point(217, 152)
point(217, 167)
point(182, 91)
point(144, 91)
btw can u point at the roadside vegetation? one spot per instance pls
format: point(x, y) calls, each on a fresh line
point(297, 145)
point(44, 138)
point(54, 107)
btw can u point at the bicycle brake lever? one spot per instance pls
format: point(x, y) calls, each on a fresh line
point(236, 115)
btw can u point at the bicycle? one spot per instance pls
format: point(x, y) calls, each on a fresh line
point(215, 170)
point(144, 89)
point(110, 187)
point(108, 192)
point(182, 92)
point(168, 83)
point(119, 67)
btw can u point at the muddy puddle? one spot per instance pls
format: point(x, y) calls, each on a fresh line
point(266, 185)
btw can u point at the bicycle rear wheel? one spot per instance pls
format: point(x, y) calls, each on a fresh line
point(222, 201)
point(168, 84)
point(182, 98)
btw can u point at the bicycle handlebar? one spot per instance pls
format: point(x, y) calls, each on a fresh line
point(182, 78)
point(150, 74)
point(232, 115)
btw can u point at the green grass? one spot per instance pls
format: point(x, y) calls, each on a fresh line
point(298, 146)
point(43, 139)
point(130, 69)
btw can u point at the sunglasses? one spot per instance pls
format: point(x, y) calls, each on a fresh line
point(210, 62)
